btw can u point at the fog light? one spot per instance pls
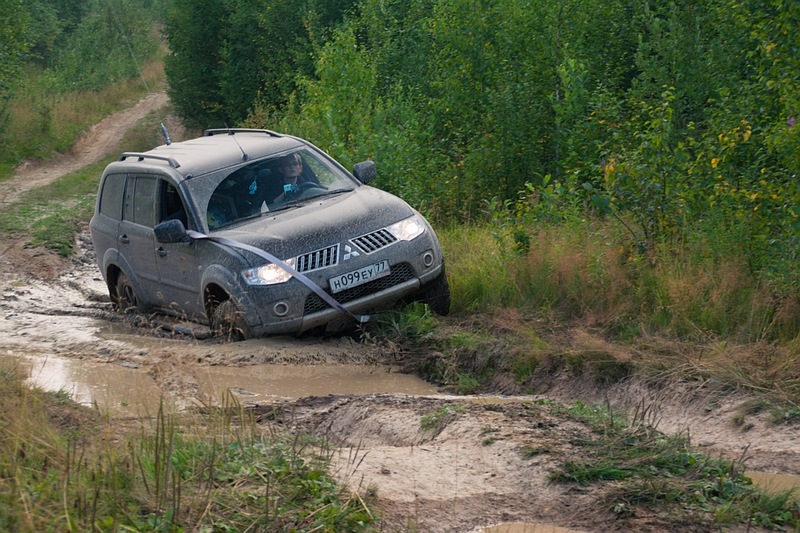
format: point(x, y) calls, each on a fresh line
point(427, 258)
point(280, 309)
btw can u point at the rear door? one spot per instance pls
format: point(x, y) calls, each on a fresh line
point(136, 241)
point(105, 222)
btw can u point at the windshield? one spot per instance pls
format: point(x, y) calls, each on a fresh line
point(267, 185)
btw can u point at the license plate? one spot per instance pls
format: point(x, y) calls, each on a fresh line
point(359, 277)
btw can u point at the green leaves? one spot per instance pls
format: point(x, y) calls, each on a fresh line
point(676, 119)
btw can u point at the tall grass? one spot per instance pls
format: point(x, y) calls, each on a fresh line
point(665, 315)
point(580, 272)
point(51, 215)
point(67, 468)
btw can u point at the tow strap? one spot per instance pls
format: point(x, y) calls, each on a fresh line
point(361, 319)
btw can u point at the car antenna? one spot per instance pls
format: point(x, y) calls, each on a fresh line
point(164, 131)
point(231, 133)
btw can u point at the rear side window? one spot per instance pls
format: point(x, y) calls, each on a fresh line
point(140, 201)
point(112, 195)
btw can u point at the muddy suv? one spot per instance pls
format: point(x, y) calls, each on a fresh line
point(221, 230)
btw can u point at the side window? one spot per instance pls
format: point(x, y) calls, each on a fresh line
point(111, 196)
point(140, 200)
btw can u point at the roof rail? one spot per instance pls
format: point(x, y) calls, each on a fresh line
point(231, 131)
point(140, 156)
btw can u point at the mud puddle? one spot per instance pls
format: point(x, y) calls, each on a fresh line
point(123, 389)
point(776, 483)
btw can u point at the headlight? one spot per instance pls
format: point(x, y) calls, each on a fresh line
point(269, 274)
point(408, 229)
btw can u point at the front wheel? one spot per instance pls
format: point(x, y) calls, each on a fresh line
point(228, 322)
point(436, 295)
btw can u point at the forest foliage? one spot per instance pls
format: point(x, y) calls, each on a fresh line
point(53, 50)
point(676, 118)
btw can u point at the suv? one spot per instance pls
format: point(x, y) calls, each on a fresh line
point(220, 230)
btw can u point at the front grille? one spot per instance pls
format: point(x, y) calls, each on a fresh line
point(399, 274)
point(323, 258)
point(374, 241)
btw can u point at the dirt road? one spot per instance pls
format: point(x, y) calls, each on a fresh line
point(102, 139)
point(469, 469)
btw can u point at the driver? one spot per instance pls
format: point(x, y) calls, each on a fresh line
point(290, 168)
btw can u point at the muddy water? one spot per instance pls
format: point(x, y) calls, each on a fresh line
point(109, 387)
point(776, 483)
point(124, 390)
point(279, 382)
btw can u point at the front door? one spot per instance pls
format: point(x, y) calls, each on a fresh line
point(179, 276)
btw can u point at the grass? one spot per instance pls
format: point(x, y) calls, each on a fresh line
point(67, 468)
point(579, 306)
point(646, 468)
point(50, 216)
point(437, 420)
point(583, 272)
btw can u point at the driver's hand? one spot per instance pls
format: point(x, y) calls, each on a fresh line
point(290, 191)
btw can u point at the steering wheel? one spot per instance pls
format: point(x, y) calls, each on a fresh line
point(309, 188)
point(306, 185)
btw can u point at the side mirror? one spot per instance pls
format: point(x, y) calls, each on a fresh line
point(171, 231)
point(365, 171)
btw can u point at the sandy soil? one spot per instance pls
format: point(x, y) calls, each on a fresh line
point(471, 470)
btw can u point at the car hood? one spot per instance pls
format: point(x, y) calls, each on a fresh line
point(320, 222)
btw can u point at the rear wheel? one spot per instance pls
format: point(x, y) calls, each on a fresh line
point(228, 322)
point(125, 299)
point(436, 295)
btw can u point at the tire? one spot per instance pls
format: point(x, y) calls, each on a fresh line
point(228, 322)
point(124, 298)
point(436, 295)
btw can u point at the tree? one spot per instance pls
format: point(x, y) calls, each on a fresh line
point(14, 38)
point(196, 29)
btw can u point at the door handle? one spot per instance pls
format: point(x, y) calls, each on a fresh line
point(161, 251)
point(124, 239)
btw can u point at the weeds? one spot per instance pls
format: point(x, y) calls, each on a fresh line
point(217, 472)
point(436, 421)
point(53, 214)
point(655, 469)
point(44, 214)
point(583, 270)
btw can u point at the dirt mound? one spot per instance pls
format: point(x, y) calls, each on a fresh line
point(449, 464)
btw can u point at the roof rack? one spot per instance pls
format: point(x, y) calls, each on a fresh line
point(231, 131)
point(140, 156)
